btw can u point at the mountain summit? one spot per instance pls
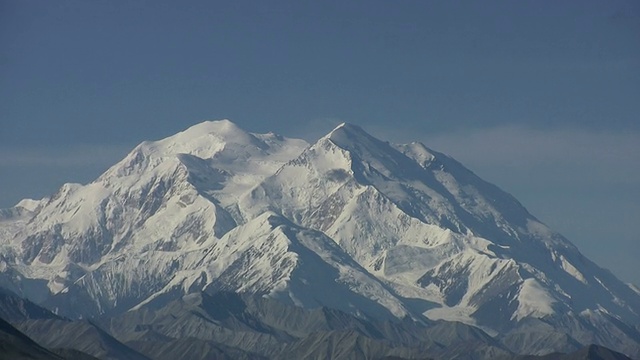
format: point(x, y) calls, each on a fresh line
point(350, 222)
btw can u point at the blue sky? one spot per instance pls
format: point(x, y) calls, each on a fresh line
point(539, 97)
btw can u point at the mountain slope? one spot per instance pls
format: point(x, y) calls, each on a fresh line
point(16, 345)
point(273, 329)
point(62, 337)
point(15, 309)
point(437, 232)
point(591, 352)
point(78, 335)
point(349, 222)
point(166, 197)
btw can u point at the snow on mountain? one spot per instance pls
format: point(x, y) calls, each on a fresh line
point(169, 195)
point(273, 256)
point(349, 222)
point(436, 232)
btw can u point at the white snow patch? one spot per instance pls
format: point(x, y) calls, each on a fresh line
point(456, 313)
point(29, 204)
point(572, 270)
point(533, 300)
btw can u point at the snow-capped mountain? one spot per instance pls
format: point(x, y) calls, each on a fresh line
point(349, 222)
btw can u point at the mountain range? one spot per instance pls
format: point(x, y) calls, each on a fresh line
point(396, 239)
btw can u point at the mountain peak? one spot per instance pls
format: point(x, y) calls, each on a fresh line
point(29, 204)
point(220, 127)
point(224, 130)
point(203, 140)
point(353, 138)
point(346, 131)
point(347, 126)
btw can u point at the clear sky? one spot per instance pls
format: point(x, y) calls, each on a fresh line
point(539, 97)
